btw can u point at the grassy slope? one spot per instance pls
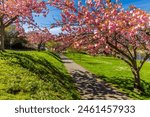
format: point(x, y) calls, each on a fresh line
point(115, 71)
point(34, 75)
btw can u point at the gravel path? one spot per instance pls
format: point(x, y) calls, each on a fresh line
point(90, 87)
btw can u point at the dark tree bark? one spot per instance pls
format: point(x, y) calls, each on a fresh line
point(2, 33)
point(39, 46)
point(137, 78)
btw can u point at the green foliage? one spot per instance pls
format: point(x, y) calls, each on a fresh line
point(116, 72)
point(34, 75)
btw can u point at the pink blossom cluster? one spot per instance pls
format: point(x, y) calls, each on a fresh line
point(39, 36)
point(106, 22)
point(21, 12)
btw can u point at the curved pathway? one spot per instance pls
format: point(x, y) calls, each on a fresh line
point(90, 87)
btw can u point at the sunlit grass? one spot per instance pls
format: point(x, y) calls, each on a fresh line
point(115, 71)
point(34, 75)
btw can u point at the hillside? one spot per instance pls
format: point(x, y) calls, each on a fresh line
point(34, 75)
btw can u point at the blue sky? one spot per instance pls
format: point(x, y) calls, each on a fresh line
point(143, 4)
point(55, 13)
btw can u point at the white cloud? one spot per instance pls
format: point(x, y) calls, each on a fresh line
point(56, 30)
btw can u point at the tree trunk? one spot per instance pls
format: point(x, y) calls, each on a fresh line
point(137, 79)
point(2, 47)
point(39, 46)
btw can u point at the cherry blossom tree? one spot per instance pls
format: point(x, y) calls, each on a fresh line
point(39, 37)
point(18, 12)
point(110, 28)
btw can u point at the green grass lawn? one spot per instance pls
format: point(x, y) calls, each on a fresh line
point(34, 75)
point(115, 71)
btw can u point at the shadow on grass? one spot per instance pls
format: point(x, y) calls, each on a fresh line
point(56, 56)
point(42, 67)
point(127, 86)
point(90, 88)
